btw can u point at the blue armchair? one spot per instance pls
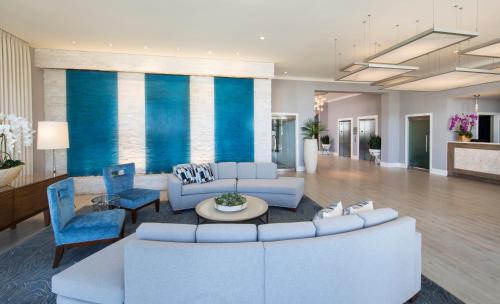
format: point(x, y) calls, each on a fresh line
point(72, 230)
point(119, 180)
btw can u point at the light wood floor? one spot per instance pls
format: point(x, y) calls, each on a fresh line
point(459, 219)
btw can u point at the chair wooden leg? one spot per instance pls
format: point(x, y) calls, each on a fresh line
point(292, 209)
point(157, 205)
point(134, 216)
point(58, 256)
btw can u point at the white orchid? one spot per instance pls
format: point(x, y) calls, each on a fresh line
point(15, 131)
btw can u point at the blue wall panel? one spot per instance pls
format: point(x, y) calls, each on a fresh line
point(234, 119)
point(167, 122)
point(92, 113)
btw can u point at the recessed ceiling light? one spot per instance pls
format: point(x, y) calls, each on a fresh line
point(178, 49)
point(210, 53)
point(262, 37)
point(237, 53)
point(110, 44)
point(146, 47)
point(73, 42)
point(285, 72)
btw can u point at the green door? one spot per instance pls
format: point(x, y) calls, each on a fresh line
point(419, 142)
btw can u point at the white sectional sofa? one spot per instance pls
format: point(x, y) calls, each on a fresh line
point(256, 179)
point(371, 257)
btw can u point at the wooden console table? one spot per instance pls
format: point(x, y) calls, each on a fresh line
point(25, 198)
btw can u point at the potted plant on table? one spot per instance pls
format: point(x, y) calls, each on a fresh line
point(14, 133)
point(310, 131)
point(230, 202)
point(374, 147)
point(462, 125)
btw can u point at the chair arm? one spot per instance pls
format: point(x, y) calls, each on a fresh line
point(174, 190)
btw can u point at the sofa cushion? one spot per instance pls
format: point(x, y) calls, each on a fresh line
point(203, 173)
point(339, 224)
point(226, 233)
point(282, 185)
point(137, 197)
point(215, 171)
point(377, 216)
point(79, 280)
point(286, 231)
point(217, 186)
point(185, 173)
point(227, 170)
point(267, 170)
point(167, 232)
point(247, 171)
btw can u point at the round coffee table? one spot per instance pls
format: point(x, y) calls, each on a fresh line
point(256, 208)
point(105, 202)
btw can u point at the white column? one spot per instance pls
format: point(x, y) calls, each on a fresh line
point(54, 95)
point(201, 91)
point(262, 120)
point(132, 120)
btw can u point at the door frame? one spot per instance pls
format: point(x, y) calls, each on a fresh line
point(366, 117)
point(337, 135)
point(407, 124)
point(297, 167)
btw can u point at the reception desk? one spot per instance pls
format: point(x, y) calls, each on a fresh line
point(474, 160)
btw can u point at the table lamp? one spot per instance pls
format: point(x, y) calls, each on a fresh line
point(52, 135)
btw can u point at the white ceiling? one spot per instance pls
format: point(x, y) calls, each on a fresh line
point(299, 34)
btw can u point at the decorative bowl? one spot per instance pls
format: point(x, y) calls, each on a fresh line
point(223, 208)
point(230, 202)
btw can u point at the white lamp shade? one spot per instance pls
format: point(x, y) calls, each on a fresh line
point(52, 135)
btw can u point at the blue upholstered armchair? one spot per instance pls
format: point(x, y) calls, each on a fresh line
point(72, 230)
point(119, 180)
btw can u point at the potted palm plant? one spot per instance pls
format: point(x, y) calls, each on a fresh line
point(310, 131)
point(374, 145)
point(14, 133)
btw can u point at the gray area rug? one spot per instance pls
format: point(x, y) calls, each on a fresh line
point(26, 269)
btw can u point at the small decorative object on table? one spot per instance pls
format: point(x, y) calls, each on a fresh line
point(230, 202)
point(14, 133)
point(462, 125)
point(105, 202)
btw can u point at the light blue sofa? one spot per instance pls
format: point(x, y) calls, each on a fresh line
point(256, 179)
point(372, 257)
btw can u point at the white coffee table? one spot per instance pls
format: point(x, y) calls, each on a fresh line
point(256, 208)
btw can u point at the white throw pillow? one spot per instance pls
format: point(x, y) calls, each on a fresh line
point(335, 209)
point(359, 207)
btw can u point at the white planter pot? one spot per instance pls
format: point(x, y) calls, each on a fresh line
point(8, 175)
point(231, 208)
point(311, 155)
point(376, 154)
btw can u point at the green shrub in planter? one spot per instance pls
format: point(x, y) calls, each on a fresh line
point(230, 199)
point(375, 142)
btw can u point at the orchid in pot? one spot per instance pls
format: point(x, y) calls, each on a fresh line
point(462, 125)
point(15, 132)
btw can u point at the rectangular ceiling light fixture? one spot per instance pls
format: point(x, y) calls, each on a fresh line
point(372, 72)
point(487, 49)
point(353, 66)
point(394, 80)
point(422, 44)
point(457, 78)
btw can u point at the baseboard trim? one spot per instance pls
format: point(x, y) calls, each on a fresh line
point(355, 156)
point(438, 172)
point(392, 165)
point(300, 168)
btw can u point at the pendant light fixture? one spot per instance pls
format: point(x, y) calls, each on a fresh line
point(476, 104)
point(488, 49)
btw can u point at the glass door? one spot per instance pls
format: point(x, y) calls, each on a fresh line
point(419, 142)
point(366, 129)
point(283, 141)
